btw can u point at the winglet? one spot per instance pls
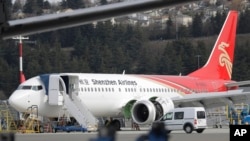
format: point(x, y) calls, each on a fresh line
point(220, 62)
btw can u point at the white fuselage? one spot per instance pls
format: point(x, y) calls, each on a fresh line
point(103, 94)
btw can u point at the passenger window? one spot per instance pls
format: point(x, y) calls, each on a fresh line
point(178, 115)
point(201, 115)
point(168, 116)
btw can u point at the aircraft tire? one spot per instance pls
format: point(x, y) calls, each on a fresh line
point(41, 129)
point(116, 124)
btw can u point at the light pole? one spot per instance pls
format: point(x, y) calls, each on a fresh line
point(20, 46)
point(198, 60)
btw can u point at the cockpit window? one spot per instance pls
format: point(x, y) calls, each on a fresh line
point(28, 87)
point(24, 87)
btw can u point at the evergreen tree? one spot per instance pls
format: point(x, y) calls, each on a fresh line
point(197, 26)
point(104, 2)
point(75, 4)
point(46, 5)
point(165, 59)
point(88, 31)
point(80, 45)
point(8, 5)
point(169, 29)
point(218, 21)
point(64, 4)
point(33, 7)
point(244, 21)
point(17, 6)
point(183, 32)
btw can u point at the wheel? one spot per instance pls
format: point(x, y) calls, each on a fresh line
point(116, 124)
point(188, 128)
point(41, 129)
point(54, 130)
point(199, 130)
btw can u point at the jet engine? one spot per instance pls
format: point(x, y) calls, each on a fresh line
point(147, 111)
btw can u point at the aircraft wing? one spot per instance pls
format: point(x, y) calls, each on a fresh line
point(239, 83)
point(50, 22)
point(212, 100)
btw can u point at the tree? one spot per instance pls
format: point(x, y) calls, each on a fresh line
point(166, 59)
point(80, 45)
point(33, 7)
point(104, 2)
point(17, 6)
point(75, 4)
point(64, 4)
point(197, 26)
point(7, 8)
point(218, 21)
point(46, 5)
point(244, 21)
point(169, 29)
point(183, 32)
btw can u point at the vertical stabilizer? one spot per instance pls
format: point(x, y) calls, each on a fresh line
point(220, 62)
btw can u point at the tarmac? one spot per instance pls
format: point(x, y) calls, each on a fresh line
point(126, 134)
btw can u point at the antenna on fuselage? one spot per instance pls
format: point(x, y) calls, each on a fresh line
point(123, 72)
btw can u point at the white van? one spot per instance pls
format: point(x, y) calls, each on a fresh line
point(188, 119)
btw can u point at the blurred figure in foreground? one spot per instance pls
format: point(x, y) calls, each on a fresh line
point(157, 133)
point(106, 134)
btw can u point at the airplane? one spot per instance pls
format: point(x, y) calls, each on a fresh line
point(50, 22)
point(145, 98)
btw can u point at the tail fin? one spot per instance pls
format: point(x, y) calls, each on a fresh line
point(220, 62)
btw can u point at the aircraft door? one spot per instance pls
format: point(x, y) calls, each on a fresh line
point(56, 89)
point(73, 85)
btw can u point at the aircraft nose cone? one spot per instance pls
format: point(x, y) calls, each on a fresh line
point(16, 100)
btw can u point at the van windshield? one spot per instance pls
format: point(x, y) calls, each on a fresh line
point(201, 115)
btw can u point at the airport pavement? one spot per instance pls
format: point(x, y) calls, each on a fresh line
point(210, 134)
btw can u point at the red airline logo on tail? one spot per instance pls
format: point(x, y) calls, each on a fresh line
point(224, 58)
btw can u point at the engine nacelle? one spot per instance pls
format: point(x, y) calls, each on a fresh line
point(147, 111)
